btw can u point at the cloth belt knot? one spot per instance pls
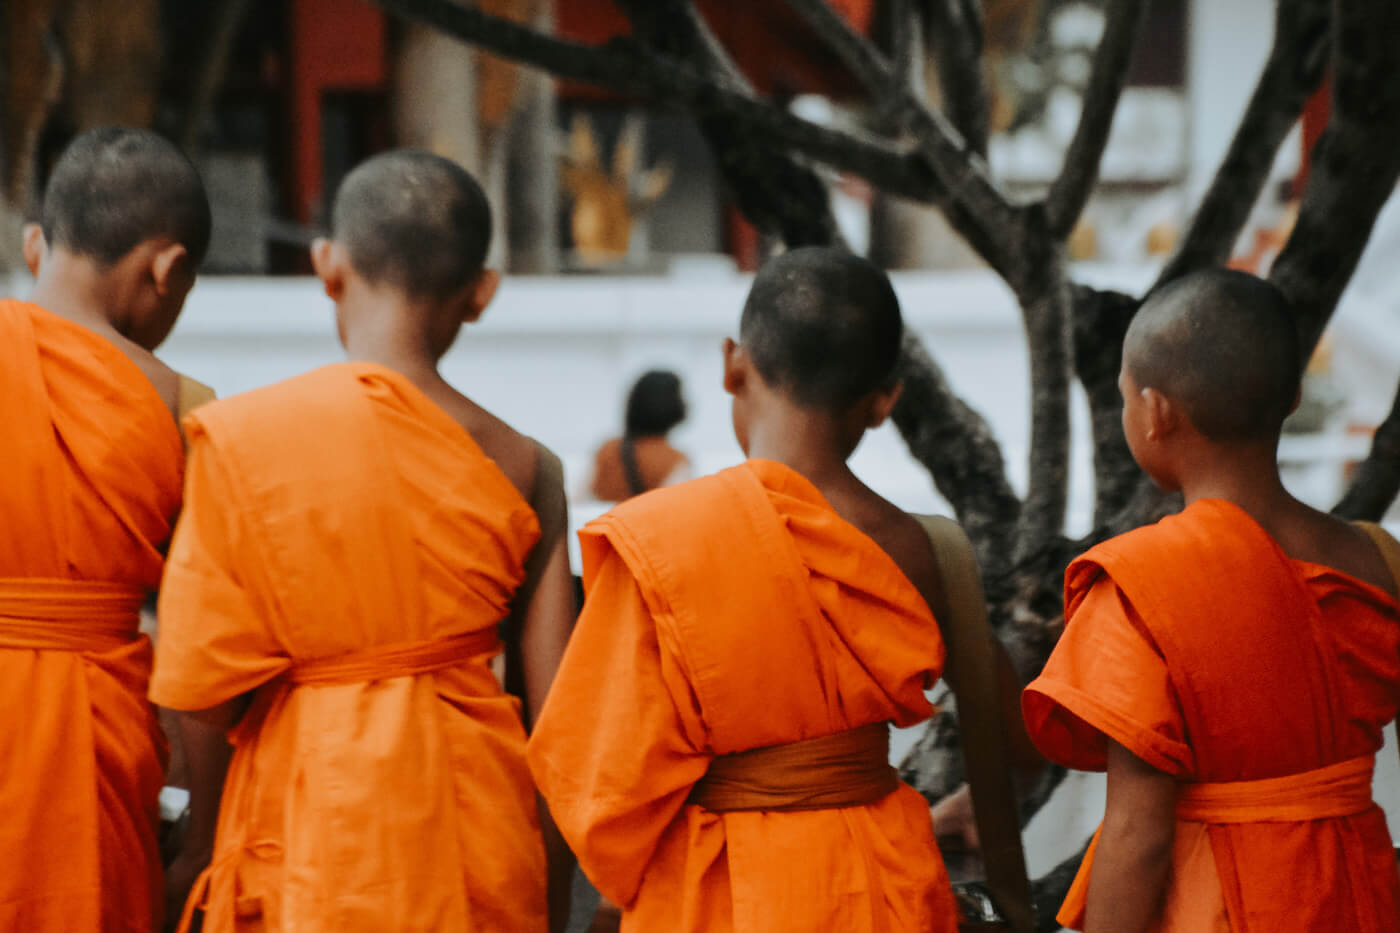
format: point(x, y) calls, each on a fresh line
point(1339, 790)
point(68, 615)
point(402, 659)
point(845, 769)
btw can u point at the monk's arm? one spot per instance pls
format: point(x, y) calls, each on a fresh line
point(202, 734)
point(544, 632)
point(1133, 861)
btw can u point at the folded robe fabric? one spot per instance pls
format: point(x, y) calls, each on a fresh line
point(730, 613)
point(336, 527)
point(91, 483)
point(1263, 684)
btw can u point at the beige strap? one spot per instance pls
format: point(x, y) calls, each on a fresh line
point(1390, 551)
point(192, 394)
point(961, 611)
point(189, 396)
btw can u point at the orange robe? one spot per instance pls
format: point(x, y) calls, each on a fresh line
point(91, 484)
point(340, 521)
point(1199, 646)
point(728, 613)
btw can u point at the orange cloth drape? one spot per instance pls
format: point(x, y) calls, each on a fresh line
point(1263, 681)
point(91, 483)
point(736, 612)
point(334, 523)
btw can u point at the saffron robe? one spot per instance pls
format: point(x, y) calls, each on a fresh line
point(338, 512)
point(734, 612)
point(92, 464)
point(1203, 649)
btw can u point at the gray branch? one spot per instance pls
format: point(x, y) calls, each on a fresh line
point(1101, 320)
point(1292, 73)
point(955, 41)
point(1071, 189)
point(1045, 310)
point(1354, 168)
point(628, 67)
point(955, 444)
point(981, 212)
point(1377, 479)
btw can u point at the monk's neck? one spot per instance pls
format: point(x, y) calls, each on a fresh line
point(1248, 478)
point(809, 444)
point(392, 338)
point(75, 288)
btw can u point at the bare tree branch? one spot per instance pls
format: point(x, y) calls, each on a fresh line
point(1100, 320)
point(1070, 190)
point(1292, 73)
point(1354, 166)
point(962, 173)
point(1045, 310)
point(1377, 479)
point(954, 40)
point(627, 67)
point(779, 194)
point(955, 444)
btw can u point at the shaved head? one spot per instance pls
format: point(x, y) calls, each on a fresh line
point(822, 326)
point(413, 221)
point(115, 188)
point(1223, 345)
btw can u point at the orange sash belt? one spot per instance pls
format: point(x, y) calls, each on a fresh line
point(1343, 789)
point(404, 659)
point(68, 615)
point(844, 769)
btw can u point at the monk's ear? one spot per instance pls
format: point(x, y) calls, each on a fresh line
point(34, 246)
point(479, 295)
point(736, 366)
point(1163, 414)
point(882, 403)
point(171, 269)
point(331, 265)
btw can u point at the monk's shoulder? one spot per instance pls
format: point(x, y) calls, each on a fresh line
point(1323, 539)
point(904, 538)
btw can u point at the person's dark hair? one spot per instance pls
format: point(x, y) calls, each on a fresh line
point(655, 404)
point(115, 188)
point(415, 221)
point(823, 326)
point(1225, 346)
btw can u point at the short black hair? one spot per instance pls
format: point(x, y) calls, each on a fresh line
point(1223, 344)
point(415, 221)
point(115, 188)
point(823, 326)
point(655, 405)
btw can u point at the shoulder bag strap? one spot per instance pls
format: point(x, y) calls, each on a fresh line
point(631, 467)
point(972, 654)
point(1390, 550)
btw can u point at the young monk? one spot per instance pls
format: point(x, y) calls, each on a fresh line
point(91, 469)
point(715, 748)
point(352, 541)
point(1232, 666)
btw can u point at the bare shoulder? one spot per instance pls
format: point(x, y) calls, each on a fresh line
point(165, 379)
point(1320, 538)
point(517, 455)
point(899, 534)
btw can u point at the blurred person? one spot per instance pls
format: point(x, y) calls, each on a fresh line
point(642, 459)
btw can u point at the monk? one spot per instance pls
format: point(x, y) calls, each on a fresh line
point(352, 542)
point(91, 468)
point(715, 748)
point(1231, 666)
